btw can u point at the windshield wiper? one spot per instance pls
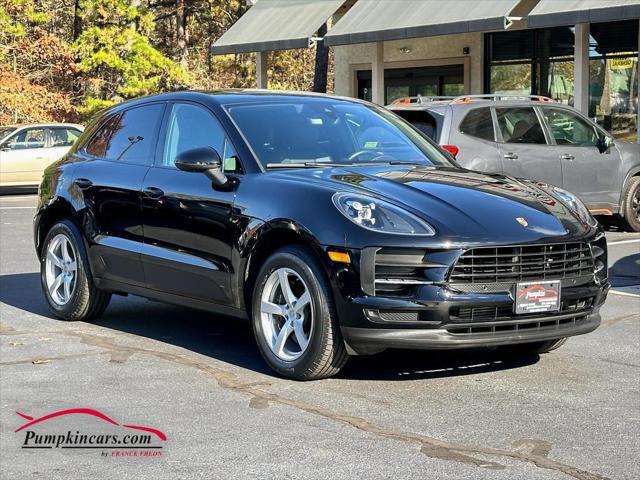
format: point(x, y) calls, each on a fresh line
point(307, 165)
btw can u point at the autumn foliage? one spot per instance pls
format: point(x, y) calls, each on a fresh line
point(61, 60)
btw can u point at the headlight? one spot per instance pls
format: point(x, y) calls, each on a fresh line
point(380, 216)
point(575, 204)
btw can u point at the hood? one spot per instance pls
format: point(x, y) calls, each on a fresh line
point(462, 205)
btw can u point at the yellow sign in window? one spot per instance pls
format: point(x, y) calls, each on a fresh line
point(622, 63)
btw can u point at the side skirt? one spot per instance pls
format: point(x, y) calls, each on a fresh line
point(164, 297)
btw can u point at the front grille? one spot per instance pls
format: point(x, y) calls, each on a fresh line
point(521, 263)
point(505, 312)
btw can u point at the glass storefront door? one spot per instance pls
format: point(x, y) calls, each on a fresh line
point(445, 80)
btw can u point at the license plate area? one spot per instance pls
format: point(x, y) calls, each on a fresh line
point(537, 297)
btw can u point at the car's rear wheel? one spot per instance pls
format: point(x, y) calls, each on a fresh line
point(66, 278)
point(631, 202)
point(294, 318)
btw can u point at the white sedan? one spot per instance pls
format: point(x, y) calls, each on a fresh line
point(26, 150)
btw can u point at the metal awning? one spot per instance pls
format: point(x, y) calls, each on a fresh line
point(382, 20)
point(552, 13)
point(276, 25)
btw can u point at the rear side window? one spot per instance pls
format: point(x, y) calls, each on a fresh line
point(520, 125)
point(128, 136)
point(63, 137)
point(478, 123)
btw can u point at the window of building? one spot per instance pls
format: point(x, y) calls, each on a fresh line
point(541, 62)
point(520, 125)
point(128, 136)
point(409, 82)
point(478, 123)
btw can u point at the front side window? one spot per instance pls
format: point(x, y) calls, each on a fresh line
point(569, 129)
point(27, 138)
point(298, 130)
point(63, 137)
point(189, 127)
point(520, 125)
point(478, 123)
point(128, 136)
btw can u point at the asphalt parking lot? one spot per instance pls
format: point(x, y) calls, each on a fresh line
point(573, 413)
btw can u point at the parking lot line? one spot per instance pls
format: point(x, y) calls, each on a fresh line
point(620, 242)
point(624, 294)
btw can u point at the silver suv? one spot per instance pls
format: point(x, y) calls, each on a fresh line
point(537, 138)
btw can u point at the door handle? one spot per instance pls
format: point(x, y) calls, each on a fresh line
point(567, 156)
point(153, 192)
point(510, 156)
point(82, 183)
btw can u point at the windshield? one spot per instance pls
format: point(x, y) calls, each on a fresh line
point(299, 131)
point(6, 131)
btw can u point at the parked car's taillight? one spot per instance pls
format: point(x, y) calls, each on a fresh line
point(452, 149)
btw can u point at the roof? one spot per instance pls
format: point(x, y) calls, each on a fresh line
point(276, 25)
point(382, 20)
point(42, 125)
point(550, 13)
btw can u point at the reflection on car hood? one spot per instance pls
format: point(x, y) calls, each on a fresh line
point(458, 201)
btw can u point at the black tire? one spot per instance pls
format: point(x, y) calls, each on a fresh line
point(536, 347)
point(631, 204)
point(86, 301)
point(325, 354)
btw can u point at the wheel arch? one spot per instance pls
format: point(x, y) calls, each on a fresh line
point(271, 237)
point(634, 172)
point(56, 210)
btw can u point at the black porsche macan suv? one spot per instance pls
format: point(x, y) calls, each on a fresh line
point(336, 227)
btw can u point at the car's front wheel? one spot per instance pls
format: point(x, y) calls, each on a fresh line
point(65, 276)
point(631, 199)
point(294, 318)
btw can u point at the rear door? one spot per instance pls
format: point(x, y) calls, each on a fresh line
point(189, 226)
point(525, 150)
point(585, 171)
point(118, 156)
point(60, 141)
point(473, 134)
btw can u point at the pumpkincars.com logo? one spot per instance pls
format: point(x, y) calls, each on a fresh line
point(115, 439)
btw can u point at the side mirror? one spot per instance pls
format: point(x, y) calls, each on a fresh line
point(203, 160)
point(604, 143)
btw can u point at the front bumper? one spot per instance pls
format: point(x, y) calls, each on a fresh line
point(421, 326)
point(435, 314)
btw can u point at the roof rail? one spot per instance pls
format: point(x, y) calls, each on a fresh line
point(421, 99)
point(498, 97)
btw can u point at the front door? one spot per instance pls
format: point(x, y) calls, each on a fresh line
point(585, 171)
point(188, 225)
point(109, 181)
point(524, 150)
point(23, 157)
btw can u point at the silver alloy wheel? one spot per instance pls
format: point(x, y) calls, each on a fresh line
point(635, 202)
point(286, 314)
point(61, 269)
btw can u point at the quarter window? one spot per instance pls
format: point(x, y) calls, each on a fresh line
point(520, 125)
point(128, 136)
point(189, 127)
point(569, 129)
point(478, 123)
